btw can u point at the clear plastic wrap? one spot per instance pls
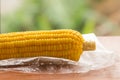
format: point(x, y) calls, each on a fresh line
point(89, 60)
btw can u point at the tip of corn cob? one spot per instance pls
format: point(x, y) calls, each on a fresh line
point(89, 45)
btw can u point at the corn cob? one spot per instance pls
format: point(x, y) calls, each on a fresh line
point(67, 44)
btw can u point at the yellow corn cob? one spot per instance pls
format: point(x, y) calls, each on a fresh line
point(55, 43)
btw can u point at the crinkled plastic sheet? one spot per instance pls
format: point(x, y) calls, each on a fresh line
point(90, 60)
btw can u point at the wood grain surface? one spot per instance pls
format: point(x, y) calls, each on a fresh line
point(109, 73)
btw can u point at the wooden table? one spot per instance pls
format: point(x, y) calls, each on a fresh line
point(109, 73)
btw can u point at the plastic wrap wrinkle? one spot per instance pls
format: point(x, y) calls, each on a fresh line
point(89, 60)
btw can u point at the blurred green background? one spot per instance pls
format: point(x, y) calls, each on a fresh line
point(80, 15)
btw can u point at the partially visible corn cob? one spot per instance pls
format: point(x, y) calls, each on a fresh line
point(55, 43)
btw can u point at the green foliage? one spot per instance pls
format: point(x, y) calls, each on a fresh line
point(50, 14)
